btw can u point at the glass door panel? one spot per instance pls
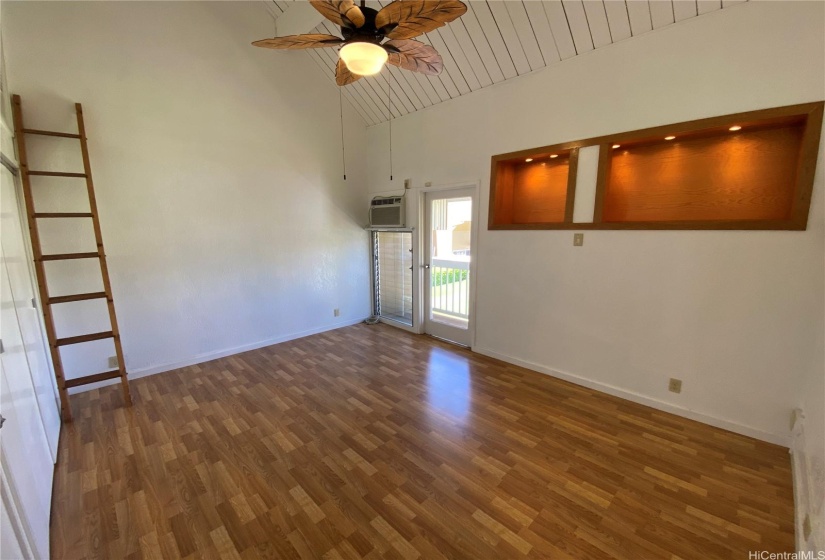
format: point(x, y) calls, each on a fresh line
point(447, 264)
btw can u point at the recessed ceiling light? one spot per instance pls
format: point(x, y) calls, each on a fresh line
point(616, 146)
point(670, 137)
point(554, 156)
point(735, 127)
point(528, 160)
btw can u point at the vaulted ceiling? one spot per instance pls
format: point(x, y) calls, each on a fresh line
point(498, 40)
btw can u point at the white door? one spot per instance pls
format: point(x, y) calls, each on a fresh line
point(12, 538)
point(31, 426)
point(447, 256)
point(27, 463)
point(22, 286)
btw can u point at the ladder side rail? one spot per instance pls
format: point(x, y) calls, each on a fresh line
point(104, 269)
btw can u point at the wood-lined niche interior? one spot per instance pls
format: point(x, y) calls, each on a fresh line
point(737, 175)
point(751, 170)
point(533, 189)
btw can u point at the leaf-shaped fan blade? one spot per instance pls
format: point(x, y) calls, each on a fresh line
point(309, 41)
point(405, 19)
point(340, 12)
point(343, 76)
point(414, 56)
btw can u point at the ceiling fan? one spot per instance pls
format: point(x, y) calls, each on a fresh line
point(362, 52)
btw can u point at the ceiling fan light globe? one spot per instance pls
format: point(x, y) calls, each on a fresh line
point(364, 59)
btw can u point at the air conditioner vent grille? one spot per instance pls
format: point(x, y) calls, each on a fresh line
point(385, 201)
point(387, 212)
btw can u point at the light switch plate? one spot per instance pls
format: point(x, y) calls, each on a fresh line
point(578, 239)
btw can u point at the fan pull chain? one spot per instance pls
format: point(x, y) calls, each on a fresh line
point(343, 144)
point(389, 110)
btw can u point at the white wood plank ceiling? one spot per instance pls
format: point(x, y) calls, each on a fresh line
point(499, 40)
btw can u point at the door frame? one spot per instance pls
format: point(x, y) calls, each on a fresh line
point(419, 308)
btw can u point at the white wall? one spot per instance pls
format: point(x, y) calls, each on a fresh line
point(736, 315)
point(217, 167)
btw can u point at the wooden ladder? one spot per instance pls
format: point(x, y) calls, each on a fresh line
point(55, 343)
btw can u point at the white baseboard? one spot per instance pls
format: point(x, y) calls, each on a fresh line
point(200, 358)
point(641, 399)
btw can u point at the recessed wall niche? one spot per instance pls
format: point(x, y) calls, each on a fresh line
point(534, 189)
point(751, 170)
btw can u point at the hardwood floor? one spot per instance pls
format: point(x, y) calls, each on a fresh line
point(369, 442)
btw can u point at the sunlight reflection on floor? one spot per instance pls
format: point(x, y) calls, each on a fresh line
point(449, 390)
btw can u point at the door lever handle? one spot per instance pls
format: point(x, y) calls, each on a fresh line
point(425, 266)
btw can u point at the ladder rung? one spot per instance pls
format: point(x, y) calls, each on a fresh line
point(68, 256)
point(50, 133)
point(63, 215)
point(92, 378)
point(56, 174)
point(84, 338)
point(76, 297)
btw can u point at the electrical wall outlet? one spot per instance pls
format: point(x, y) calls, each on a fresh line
point(578, 239)
point(675, 385)
point(336, 312)
point(113, 362)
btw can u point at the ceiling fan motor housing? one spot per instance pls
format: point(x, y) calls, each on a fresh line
point(367, 33)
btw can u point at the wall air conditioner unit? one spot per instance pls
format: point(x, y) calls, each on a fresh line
point(388, 211)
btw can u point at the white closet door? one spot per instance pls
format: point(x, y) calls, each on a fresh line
point(28, 438)
point(26, 461)
point(13, 540)
point(22, 286)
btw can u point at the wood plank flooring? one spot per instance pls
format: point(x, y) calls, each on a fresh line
point(369, 442)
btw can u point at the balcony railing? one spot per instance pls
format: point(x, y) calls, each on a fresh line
point(450, 290)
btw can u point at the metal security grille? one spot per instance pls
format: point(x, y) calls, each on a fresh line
point(392, 288)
